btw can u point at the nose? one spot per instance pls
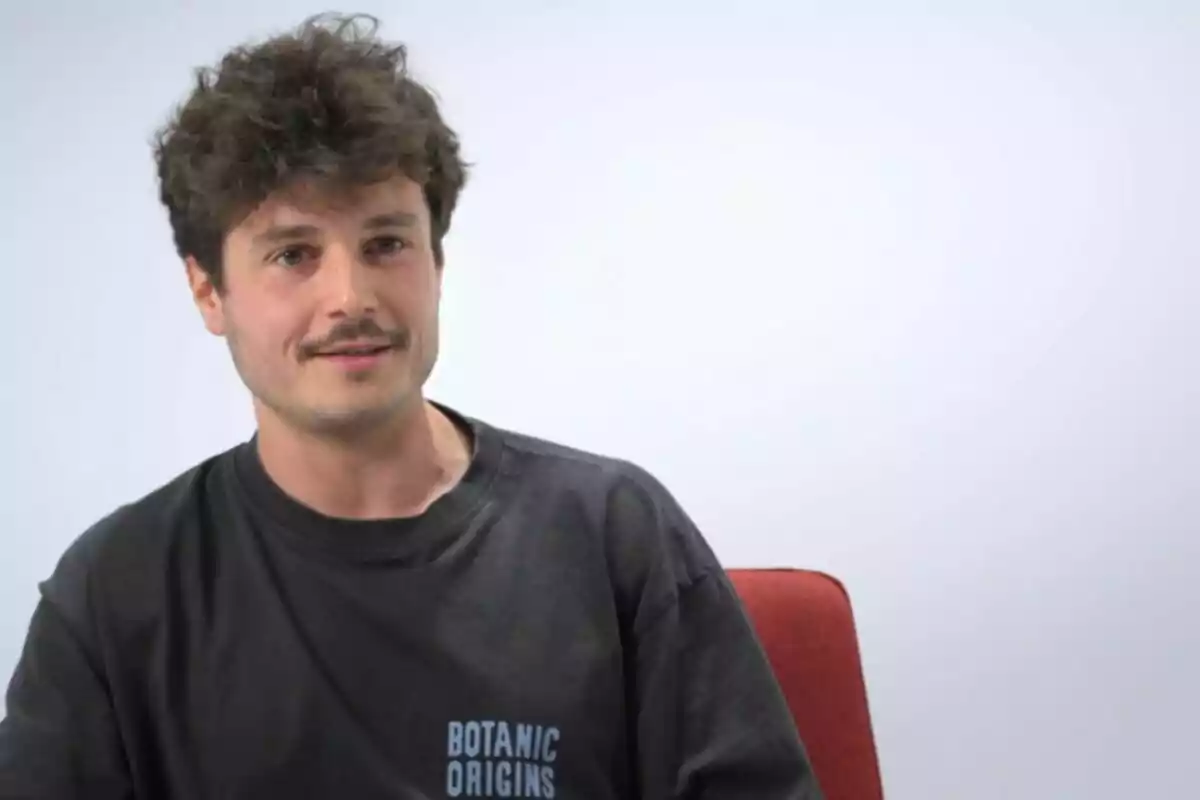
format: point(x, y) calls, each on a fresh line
point(348, 282)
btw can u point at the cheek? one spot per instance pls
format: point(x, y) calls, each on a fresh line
point(411, 300)
point(264, 330)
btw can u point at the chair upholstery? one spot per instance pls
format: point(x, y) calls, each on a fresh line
point(806, 626)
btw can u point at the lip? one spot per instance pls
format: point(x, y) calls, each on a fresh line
point(358, 358)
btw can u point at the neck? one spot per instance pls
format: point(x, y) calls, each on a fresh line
point(398, 471)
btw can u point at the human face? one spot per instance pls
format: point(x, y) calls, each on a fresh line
point(330, 305)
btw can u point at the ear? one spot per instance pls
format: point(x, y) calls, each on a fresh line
point(206, 297)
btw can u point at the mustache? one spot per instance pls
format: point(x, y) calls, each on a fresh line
point(351, 330)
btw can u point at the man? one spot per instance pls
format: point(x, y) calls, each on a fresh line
point(376, 596)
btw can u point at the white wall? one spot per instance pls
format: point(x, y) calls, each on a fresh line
point(910, 297)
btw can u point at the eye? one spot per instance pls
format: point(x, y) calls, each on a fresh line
point(385, 246)
point(292, 257)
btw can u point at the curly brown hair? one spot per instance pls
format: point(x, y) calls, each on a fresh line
point(328, 102)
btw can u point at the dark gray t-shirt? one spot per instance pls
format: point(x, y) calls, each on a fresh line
point(554, 626)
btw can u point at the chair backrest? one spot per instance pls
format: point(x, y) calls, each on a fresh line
point(806, 626)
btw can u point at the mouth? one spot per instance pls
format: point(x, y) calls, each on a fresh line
point(356, 350)
point(356, 356)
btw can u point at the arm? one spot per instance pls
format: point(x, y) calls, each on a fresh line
point(711, 721)
point(706, 716)
point(59, 740)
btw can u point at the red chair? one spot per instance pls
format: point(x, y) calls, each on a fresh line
point(807, 628)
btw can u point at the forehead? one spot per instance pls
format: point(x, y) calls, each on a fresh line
point(314, 203)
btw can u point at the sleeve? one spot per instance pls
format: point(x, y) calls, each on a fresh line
point(706, 713)
point(59, 740)
point(711, 720)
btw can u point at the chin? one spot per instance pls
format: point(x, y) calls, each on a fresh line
point(346, 421)
point(342, 414)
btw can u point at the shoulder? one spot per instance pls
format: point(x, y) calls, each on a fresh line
point(621, 485)
point(653, 548)
point(121, 555)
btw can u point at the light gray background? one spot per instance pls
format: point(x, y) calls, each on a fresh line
point(904, 292)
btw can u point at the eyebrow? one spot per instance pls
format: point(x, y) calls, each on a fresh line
point(395, 219)
point(283, 233)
